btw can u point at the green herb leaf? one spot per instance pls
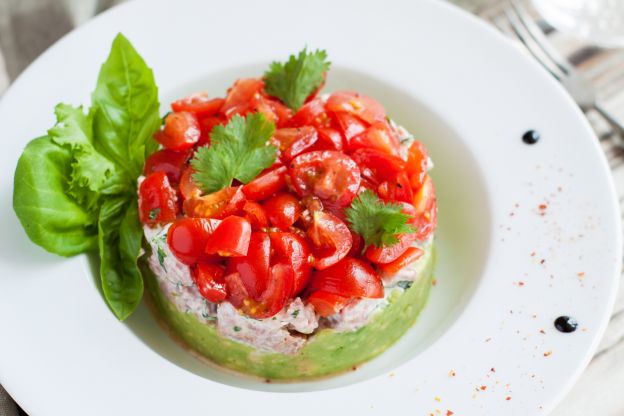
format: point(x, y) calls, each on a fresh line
point(295, 313)
point(405, 284)
point(377, 222)
point(237, 329)
point(239, 150)
point(293, 81)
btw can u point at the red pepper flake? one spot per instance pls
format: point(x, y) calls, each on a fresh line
point(482, 388)
point(520, 283)
point(449, 413)
point(547, 353)
point(542, 261)
point(493, 369)
point(508, 398)
point(542, 207)
point(542, 331)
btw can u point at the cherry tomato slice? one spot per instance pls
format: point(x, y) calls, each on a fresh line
point(266, 184)
point(398, 190)
point(332, 176)
point(331, 238)
point(255, 214)
point(387, 271)
point(230, 238)
point(329, 138)
point(295, 140)
point(361, 106)
point(283, 210)
point(157, 200)
point(294, 250)
point(240, 96)
point(187, 238)
point(377, 166)
point(274, 298)
point(311, 113)
point(236, 292)
point(199, 104)
point(209, 281)
point(350, 277)
point(181, 131)
point(416, 167)
point(378, 136)
point(426, 210)
point(218, 204)
point(326, 303)
point(206, 125)
point(188, 188)
point(273, 110)
point(168, 161)
point(387, 254)
point(349, 125)
point(253, 268)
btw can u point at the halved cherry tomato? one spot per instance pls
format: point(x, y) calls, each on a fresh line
point(274, 298)
point(255, 214)
point(188, 188)
point(349, 125)
point(187, 238)
point(240, 96)
point(273, 110)
point(377, 136)
point(181, 131)
point(332, 176)
point(397, 190)
point(295, 140)
point(377, 166)
point(283, 210)
point(357, 246)
point(265, 185)
point(167, 161)
point(329, 138)
point(416, 167)
point(331, 238)
point(227, 201)
point(365, 108)
point(230, 238)
point(209, 281)
point(157, 200)
point(206, 125)
point(426, 209)
point(388, 270)
point(387, 254)
point(312, 113)
point(326, 303)
point(350, 277)
point(253, 268)
point(199, 104)
point(294, 250)
point(236, 292)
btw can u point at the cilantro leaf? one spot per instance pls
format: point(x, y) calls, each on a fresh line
point(239, 150)
point(376, 221)
point(292, 82)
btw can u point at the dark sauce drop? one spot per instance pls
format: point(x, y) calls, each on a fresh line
point(531, 137)
point(566, 324)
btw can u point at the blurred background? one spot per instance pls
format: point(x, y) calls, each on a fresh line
point(579, 42)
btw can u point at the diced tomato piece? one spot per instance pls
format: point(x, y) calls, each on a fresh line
point(396, 190)
point(350, 277)
point(230, 238)
point(227, 201)
point(295, 140)
point(326, 303)
point(187, 238)
point(266, 184)
point(181, 131)
point(240, 96)
point(311, 113)
point(349, 125)
point(294, 250)
point(274, 298)
point(388, 254)
point(377, 136)
point(387, 271)
point(377, 166)
point(331, 238)
point(416, 167)
point(329, 138)
point(361, 106)
point(357, 246)
point(255, 214)
point(199, 104)
point(188, 187)
point(168, 161)
point(253, 268)
point(237, 293)
point(206, 125)
point(426, 209)
point(273, 110)
point(157, 200)
point(209, 281)
point(283, 210)
point(332, 176)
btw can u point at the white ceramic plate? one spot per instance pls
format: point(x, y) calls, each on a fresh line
point(506, 268)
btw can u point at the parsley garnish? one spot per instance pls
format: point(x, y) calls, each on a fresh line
point(292, 82)
point(239, 150)
point(376, 221)
point(405, 284)
point(161, 257)
point(237, 329)
point(154, 213)
point(295, 313)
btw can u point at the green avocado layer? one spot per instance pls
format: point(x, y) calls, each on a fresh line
point(327, 351)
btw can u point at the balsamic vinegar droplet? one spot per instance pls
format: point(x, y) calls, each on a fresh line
point(566, 324)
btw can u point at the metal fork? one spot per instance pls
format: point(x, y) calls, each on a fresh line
point(532, 37)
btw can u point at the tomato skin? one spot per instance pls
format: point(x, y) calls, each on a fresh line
point(181, 131)
point(329, 139)
point(206, 125)
point(388, 254)
point(351, 277)
point(378, 136)
point(273, 110)
point(295, 140)
point(230, 238)
point(397, 190)
point(425, 205)
point(255, 214)
point(387, 271)
point(417, 160)
point(253, 268)
point(168, 161)
point(326, 303)
point(283, 210)
point(187, 238)
point(236, 291)
point(332, 176)
point(188, 188)
point(365, 108)
point(199, 104)
point(240, 96)
point(209, 281)
point(311, 113)
point(293, 249)
point(266, 184)
point(157, 200)
point(274, 298)
point(331, 238)
point(220, 204)
point(349, 125)
point(377, 166)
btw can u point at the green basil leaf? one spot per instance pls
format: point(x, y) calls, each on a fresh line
point(126, 107)
point(51, 218)
point(120, 236)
